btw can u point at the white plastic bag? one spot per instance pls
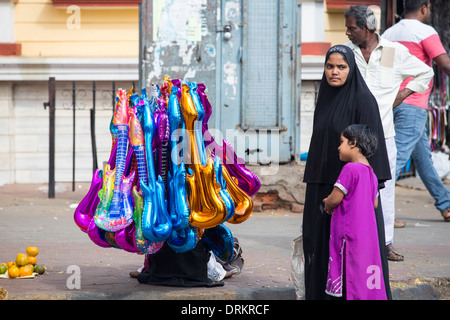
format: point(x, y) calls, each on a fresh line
point(215, 270)
point(298, 267)
point(441, 163)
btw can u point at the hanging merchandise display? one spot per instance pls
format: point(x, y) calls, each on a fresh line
point(438, 113)
point(166, 179)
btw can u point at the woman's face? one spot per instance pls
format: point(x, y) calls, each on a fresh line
point(336, 70)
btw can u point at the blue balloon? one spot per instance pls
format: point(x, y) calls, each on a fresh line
point(220, 241)
point(156, 223)
point(183, 240)
point(178, 201)
point(229, 203)
point(122, 144)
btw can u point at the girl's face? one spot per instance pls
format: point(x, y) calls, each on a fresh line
point(336, 70)
point(346, 150)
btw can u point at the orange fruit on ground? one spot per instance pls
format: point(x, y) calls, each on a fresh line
point(25, 271)
point(31, 260)
point(21, 260)
point(9, 264)
point(32, 251)
point(13, 271)
point(31, 267)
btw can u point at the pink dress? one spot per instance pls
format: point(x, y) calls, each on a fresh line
point(354, 268)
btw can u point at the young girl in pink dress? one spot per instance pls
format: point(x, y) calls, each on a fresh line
point(354, 268)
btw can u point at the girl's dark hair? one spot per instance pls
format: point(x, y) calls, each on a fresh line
point(364, 137)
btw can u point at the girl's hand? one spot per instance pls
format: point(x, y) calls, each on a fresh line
point(327, 208)
point(333, 200)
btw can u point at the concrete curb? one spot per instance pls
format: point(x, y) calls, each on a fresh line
point(420, 292)
point(423, 291)
point(208, 294)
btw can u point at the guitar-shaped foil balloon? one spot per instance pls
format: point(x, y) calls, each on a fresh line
point(136, 137)
point(207, 207)
point(103, 219)
point(201, 146)
point(178, 204)
point(199, 123)
point(105, 196)
point(247, 180)
point(242, 202)
point(95, 234)
point(125, 237)
point(115, 219)
point(183, 237)
point(156, 224)
point(162, 137)
point(145, 246)
point(220, 241)
point(82, 215)
point(224, 194)
point(85, 211)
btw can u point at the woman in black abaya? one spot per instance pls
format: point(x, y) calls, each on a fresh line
point(338, 106)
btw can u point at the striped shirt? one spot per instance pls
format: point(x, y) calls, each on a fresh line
point(423, 42)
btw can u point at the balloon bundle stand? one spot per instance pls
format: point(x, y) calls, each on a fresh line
point(166, 179)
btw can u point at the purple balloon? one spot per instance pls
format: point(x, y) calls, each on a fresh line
point(125, 239)
point(83, 213)
point(94, 234)
point(86, 209)
point(205, 102)
point(247, 180)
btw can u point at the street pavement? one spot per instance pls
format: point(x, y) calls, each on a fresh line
point(29, 218)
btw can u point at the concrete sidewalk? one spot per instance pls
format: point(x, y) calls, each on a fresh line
point(29, 218)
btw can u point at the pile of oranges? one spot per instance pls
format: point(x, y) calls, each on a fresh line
point(24, 265)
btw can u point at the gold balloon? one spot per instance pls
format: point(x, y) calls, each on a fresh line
point(243, 204)
point(168, 79)
point(207, 207)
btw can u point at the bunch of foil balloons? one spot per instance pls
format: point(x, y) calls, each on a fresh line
point(166, 178)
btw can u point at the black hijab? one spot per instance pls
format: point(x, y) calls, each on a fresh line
point(337, 108)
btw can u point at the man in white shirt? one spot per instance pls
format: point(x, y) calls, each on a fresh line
point(384, 65)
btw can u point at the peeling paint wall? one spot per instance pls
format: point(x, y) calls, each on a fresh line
point(244, 51)
point(179, 40)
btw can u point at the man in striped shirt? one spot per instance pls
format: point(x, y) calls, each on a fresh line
point(410, 117)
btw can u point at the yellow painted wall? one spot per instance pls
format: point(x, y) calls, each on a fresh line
point(43, 31)
point(107, 32)
point(335, 27)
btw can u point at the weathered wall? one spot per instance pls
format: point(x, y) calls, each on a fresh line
point(440, 20)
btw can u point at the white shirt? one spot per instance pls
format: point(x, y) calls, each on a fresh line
point(389, 64)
